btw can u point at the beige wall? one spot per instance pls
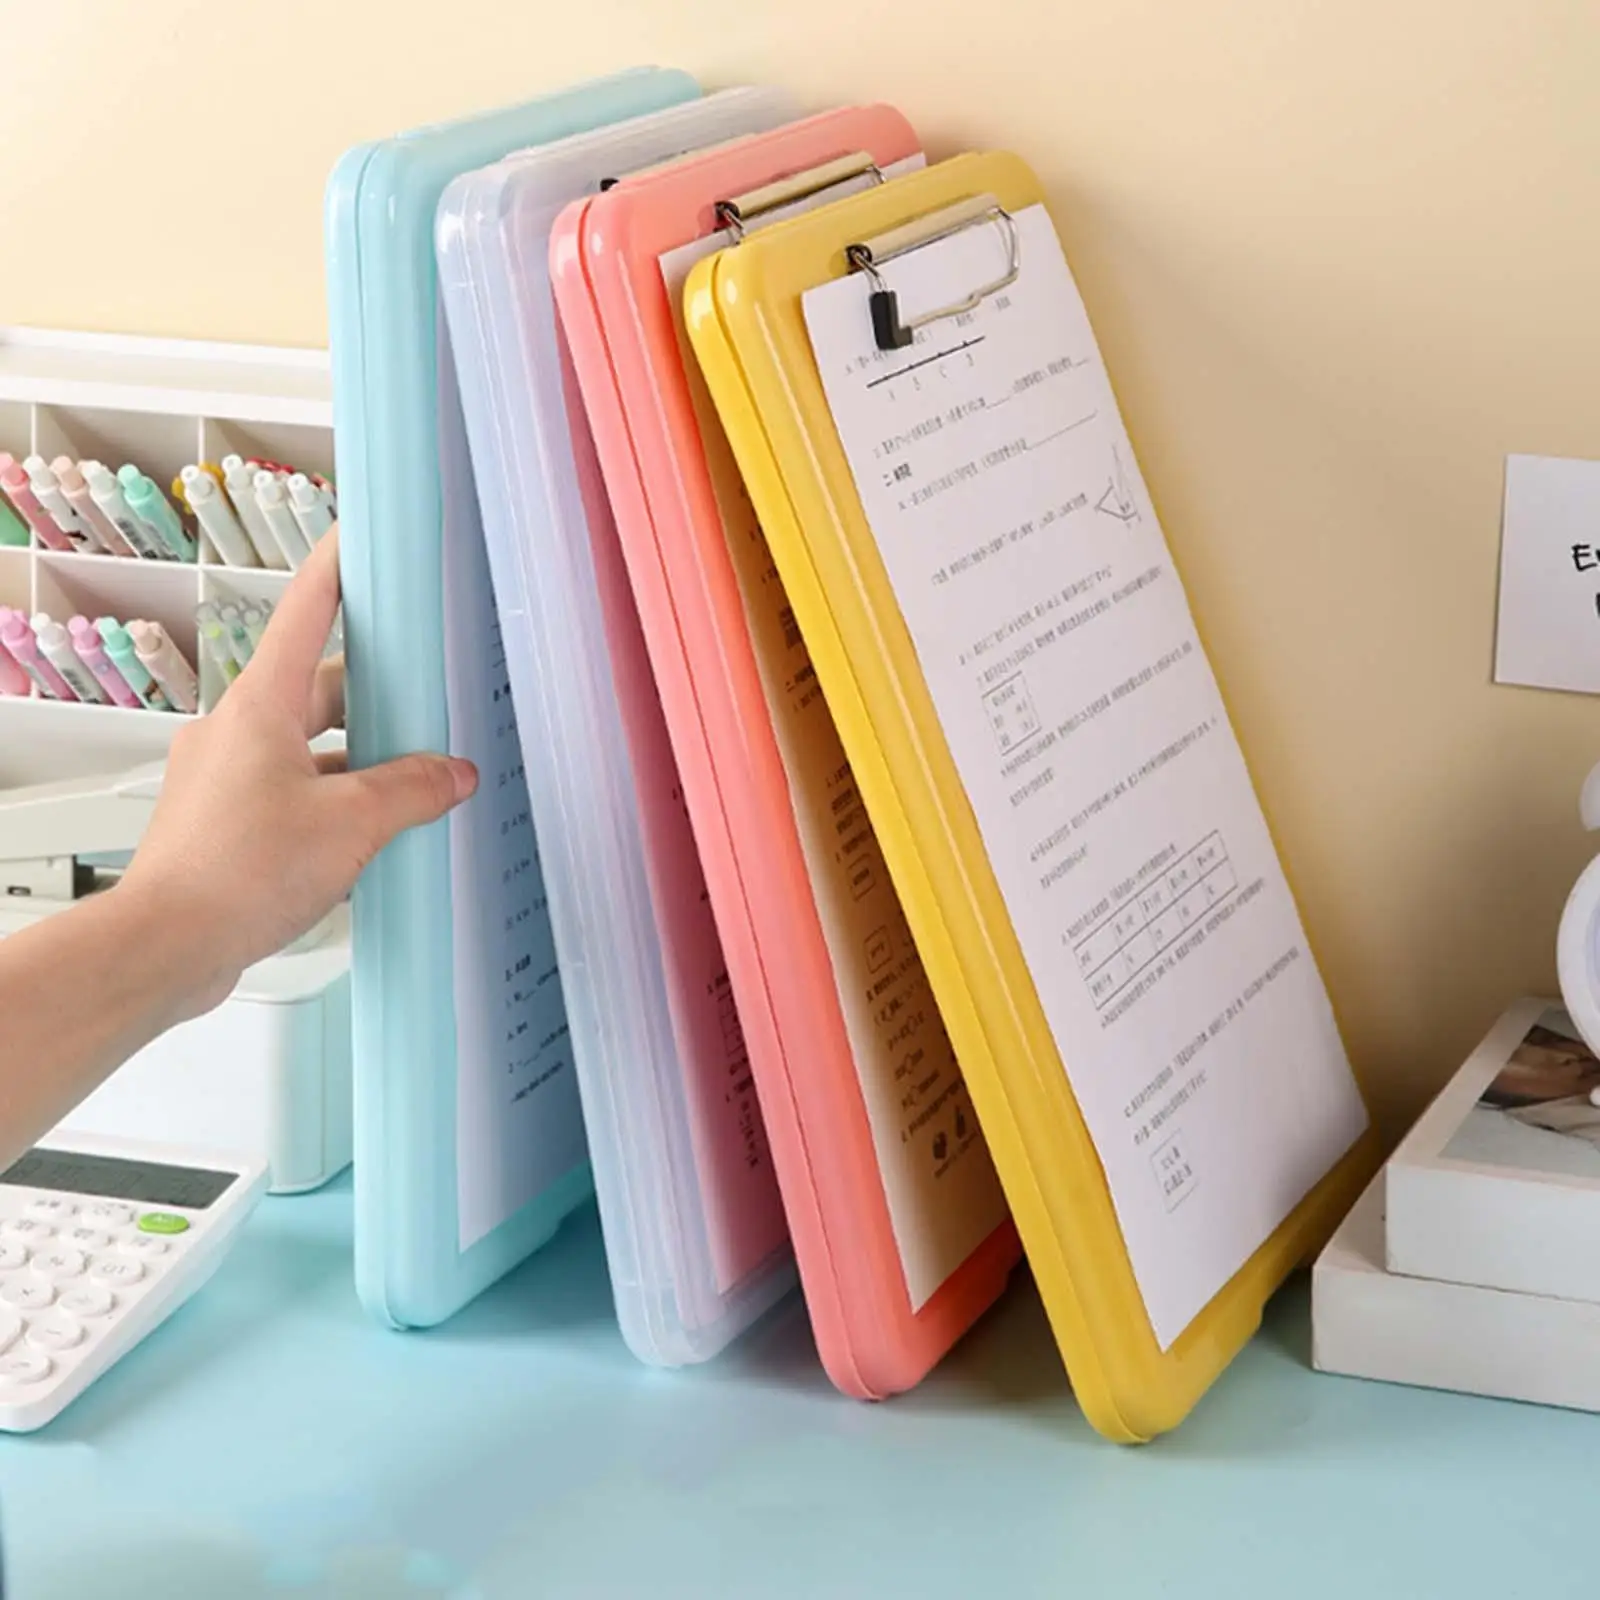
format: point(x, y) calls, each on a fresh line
point(1342, 257)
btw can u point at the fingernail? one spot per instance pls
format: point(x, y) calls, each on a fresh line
point(466, 778)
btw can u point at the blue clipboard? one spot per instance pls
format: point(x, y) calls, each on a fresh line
point(441, 1213)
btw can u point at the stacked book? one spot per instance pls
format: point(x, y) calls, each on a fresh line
point(1473, 1261)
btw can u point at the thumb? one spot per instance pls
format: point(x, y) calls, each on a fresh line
point(404, 793)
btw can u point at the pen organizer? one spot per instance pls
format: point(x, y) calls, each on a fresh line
point(158, 406)
point(269, 1072)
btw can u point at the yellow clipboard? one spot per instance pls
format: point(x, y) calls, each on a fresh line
point(749, 332)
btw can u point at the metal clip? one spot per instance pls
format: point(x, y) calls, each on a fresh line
point(869, 256)
point(734, 213)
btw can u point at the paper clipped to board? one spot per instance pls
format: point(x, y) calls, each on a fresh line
point(1091, 738)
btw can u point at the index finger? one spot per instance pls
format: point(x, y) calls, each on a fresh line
point(284, 664)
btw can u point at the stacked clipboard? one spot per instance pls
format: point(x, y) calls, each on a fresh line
point(867, 884)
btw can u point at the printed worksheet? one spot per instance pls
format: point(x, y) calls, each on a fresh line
point(1088, 731)
point(519, 1126)
point(943, 1195)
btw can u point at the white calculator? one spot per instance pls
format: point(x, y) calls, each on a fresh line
point(101, 1240)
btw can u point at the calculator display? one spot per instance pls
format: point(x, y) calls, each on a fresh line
point(149, 1183)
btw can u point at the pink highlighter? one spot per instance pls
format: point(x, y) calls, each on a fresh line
point(13, 680)
point(76, 489)
point(17, 637)
point(20, 493)
point(91, 652)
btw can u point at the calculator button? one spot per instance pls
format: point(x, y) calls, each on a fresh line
point(25, 1366)
point(106, 1216)
point(143, 1245)
point(59, 1263)
point(87, 1300)
point(81, 1238)
point(163, 1222)
point(113, 1269)
point(27, 1294)
point(51, 1208)
point(13, 1254)
point(55, 1331)
point(29, 1229)
point(10, 1327)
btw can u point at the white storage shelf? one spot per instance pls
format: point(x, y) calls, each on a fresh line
point(160, 404)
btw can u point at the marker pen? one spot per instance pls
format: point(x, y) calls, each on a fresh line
point(56, 643)
point(240, 484)
point(91, 652)
point(215, 516)
point(310, 507)
point(255, 619)
point(214, 640)
point(164, 662)
point(322, 485)
point(48, 493)
point(13, 530)
point(274, 503)
point(240, 643)
point(154, 510)
point(18, 638)
point(180, 484)
point(13, 680)
point(106, 493)
point(119, 647)
point(76, 488)
point(14, 480)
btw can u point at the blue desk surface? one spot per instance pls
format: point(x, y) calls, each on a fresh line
point(270, 1440)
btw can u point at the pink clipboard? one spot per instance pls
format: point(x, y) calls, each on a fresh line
point(897, 1260)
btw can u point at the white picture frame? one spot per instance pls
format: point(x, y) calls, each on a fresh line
point(1498, 1183)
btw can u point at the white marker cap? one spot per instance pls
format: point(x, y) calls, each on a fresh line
point(50, 634)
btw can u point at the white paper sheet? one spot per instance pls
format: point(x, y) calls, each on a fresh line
point(1088, 731)
point(519, 1126)
point(1549, 627)
point(943, 1195)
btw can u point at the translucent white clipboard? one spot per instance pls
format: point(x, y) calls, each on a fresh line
point(468, 1135)
point(694, 1231)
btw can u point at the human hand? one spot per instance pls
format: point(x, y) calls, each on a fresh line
point(254, 838)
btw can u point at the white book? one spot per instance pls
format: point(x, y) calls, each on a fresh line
point(1369, 1323)
point(1498, 1184)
